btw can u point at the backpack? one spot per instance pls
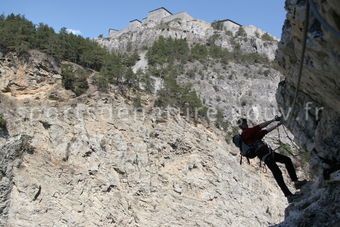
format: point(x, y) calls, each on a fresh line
point(246, 150)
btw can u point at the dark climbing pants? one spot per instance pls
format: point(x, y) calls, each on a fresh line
point(271, 163)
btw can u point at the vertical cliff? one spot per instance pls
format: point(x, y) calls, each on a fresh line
point(316, 116)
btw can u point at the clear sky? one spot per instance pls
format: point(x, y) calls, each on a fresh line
point(94, 17)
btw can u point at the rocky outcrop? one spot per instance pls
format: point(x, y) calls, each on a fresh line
point(11, 152)
point(316, 117)
point(237, 89)
point(97, 161)
point(29, 75)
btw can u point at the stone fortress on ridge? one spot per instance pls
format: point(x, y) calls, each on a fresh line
point(140, 34)
point(161, 16)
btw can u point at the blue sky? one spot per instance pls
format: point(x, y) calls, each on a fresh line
point(94, 17)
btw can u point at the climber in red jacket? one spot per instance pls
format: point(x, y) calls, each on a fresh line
point(267, 155)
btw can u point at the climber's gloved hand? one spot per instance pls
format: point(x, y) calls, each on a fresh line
point(278, 118)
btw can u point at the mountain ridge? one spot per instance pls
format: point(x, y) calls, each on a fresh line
point(141, 34)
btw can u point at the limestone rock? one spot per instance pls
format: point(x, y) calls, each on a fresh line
point(92, 165)
point(11, 152)
point(316, 117)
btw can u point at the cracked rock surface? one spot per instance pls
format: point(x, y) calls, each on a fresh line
point(97, 162)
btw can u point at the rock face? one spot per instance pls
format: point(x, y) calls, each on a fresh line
point(141, 34)
point(99, 162)
point(316, 121)
point(237, 89)
point(11, 153)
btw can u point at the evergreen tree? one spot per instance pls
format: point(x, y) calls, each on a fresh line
point(19, 35)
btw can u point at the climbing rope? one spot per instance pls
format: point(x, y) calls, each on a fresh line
point(278, 133)
point(279, 139)
point(290, 139)
point(309, 5)
point(322, 20)
point(281, 143)
point(302, 58)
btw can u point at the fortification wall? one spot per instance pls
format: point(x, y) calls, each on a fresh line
point(113, 32)
point(134, 25)
point(181, 16)
point(230, 26)
point(158, 15)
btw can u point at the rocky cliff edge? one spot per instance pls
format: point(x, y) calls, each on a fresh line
point(316, 117)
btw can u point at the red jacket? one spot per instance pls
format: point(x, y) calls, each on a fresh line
point(250, 135)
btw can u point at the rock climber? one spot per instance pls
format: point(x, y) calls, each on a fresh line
point(268, 156)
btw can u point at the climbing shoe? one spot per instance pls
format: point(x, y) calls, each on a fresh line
point(298, 184)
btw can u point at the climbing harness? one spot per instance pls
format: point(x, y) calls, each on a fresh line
point(263, 159)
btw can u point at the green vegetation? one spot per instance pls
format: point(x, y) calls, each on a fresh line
point(116, 69)
point(165, 57)
point(16, 33)
point(20, 35)
point(199, 52)
point(167, 51)
point(74, 79)
point(229, 33)
point(250, 58)
point(285, 148)
point(137, 101)
point(148, 82)
point(267, 37)
point(212, 39)
point(102, 82)
point(241, 32)
point(218, 25)
point(305, 156)
point(183, 97)
point(220, 53)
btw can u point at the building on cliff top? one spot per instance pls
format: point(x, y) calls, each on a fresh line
point(159, 13)
point(162, 15)
point(112, 32)
point(228, 20)
point(134, 24)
